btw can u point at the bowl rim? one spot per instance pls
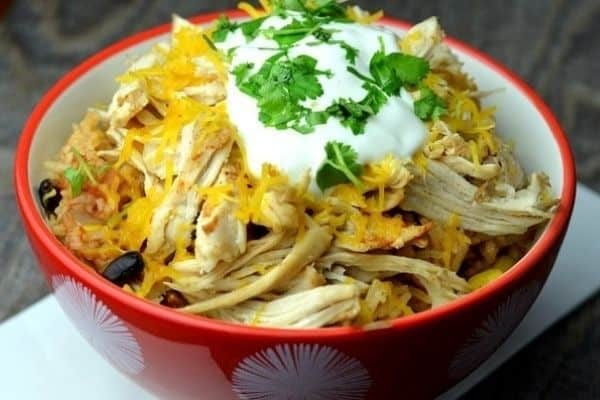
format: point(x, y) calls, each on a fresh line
point(550, 238)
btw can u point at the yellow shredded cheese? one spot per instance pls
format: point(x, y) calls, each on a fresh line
point(252, 11)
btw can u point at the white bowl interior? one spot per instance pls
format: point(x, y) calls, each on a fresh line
point(518, 120)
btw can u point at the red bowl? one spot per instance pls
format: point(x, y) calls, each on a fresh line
point(180, 356)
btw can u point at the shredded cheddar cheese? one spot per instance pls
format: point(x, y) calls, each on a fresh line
point(252, 11)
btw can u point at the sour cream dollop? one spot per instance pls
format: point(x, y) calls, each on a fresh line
point(395, 129)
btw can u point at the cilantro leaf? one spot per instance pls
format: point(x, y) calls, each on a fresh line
point(317, 117)
point(223, 27)
point(326, 8)
point(280, 86)
point(351, 52)
point(321, 8)
point(355, 115)
point(289, 5)
point(305, 78)
point(384, 74)
point(356, 73)
point(430, 105)
point(292, 32)
point(83, 166)
point(340, 166)
point(298, 30)
point(410, 69)
point(276, 109)
point(250, 29)
point(392, 71)
point(76, 178)
point(241, 71)
point(324, 35)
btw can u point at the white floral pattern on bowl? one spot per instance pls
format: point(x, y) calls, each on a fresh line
point(299, 372)
point(99, 325)
point(493, 331)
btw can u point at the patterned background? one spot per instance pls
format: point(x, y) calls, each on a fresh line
point(553, 44)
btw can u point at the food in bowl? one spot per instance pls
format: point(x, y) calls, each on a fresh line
point(305, 168)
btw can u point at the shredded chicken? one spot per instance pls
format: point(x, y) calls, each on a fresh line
point(511, 172)
point(312, 308)
point(442, 193)
point(197, 284)
point(279, 208)
point(310, 278)
point(425, 39)
point(220, 235)
point(441, 284)
point(314, 243)
point(196, 170)
point(467, 168)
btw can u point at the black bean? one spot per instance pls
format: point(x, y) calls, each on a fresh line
point(49, 196)
point(255, 231)
point(174, 299)
point(126, 268)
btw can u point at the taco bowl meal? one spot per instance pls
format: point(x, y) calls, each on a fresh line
point(311, 166)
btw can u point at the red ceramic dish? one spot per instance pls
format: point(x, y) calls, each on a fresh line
point(180, 356)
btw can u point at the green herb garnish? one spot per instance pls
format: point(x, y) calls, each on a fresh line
point(280, 86)
point(430, 105)
point(340, 166)
point(292, 32)
point(321, 8)
point(389, 73)
point(241, 72)
point(355, 115)
point(223, 27)
point(77, 177)
point(250, 29)
point(351, 52)
point(395, 70)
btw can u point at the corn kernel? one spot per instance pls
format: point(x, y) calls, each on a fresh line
point(503, 263)
point(483, 278)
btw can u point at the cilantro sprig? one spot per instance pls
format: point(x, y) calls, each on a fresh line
point(280, 86)
point(225, 26)
point(77, 177)
point(395, 70)
point(355, 115)
point(430, 105)
point(389, 74)
point(340, 166)
point(321, 8)
point(293, 32)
